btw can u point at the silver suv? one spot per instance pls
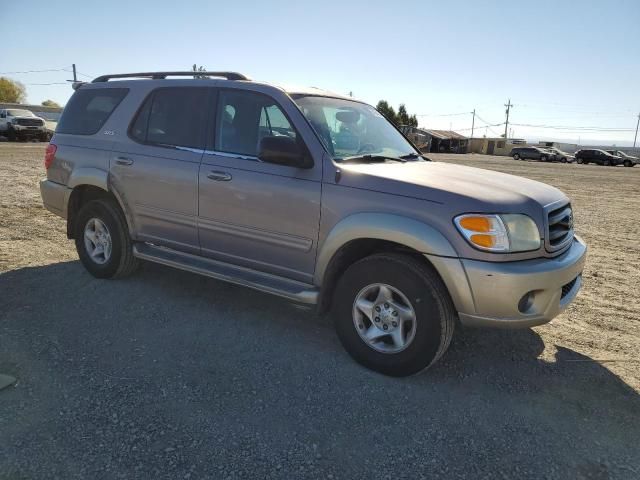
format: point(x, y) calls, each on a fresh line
point(313, 197)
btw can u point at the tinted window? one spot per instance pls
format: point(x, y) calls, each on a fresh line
point(89, 109)
point(172, 117)
point(244, 118)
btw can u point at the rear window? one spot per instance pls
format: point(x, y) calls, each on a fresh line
point(172, 117)
point(89, 109)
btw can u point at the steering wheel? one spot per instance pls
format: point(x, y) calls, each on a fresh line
point(366, 147)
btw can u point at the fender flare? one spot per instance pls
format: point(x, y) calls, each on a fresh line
point(89, 176)
point(381, 226)
point(99, 178)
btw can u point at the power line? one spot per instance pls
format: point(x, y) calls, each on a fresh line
point(52, 83)
point(574, 128)
point(34, 71)
point(442, 114)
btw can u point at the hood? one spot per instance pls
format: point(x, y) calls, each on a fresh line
point(471, 189)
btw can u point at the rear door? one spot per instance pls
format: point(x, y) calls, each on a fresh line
point(156, 171)
point(260, 215)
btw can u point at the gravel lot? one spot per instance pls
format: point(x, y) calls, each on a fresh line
point(171, 375)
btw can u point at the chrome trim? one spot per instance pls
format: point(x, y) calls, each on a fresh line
point(232, 155)
point(556, 249)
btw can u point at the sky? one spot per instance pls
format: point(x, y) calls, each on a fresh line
point(571, 65)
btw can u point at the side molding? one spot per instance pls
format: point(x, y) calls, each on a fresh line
point(381, 226)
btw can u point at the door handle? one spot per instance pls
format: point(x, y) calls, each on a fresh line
point(124, 161)
point(219, 176)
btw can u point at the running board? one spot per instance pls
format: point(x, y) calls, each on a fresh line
point(283, 287)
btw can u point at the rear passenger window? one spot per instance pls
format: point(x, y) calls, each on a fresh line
point(88, 110)
point(244, 118)
point(173, 116)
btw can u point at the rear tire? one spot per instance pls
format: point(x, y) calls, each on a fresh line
point(102, 240)
point(415, 294)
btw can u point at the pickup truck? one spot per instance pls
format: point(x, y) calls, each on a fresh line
point(20, 124)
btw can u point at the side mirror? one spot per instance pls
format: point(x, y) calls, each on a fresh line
point(284, 151)
point(3, 115)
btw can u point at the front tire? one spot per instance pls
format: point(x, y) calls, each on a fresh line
point(102, 240)
point(606, 163)
point(516, 156)
point(627, 163)
point(393, 314)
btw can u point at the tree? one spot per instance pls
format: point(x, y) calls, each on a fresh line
point(50, 103)
point(199, 69)
point(11, 91)
point(401, 118)
point(387, 111)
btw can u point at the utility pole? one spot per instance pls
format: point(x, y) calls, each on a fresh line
point(75, 77)
point(636, 137)
point(473, 121)
point(506, 124)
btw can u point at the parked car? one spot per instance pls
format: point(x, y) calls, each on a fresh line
point(532, 153)
point(19, 124)
point(600, 157)
point(311, 196)
point(561, 156)
point(627, 160)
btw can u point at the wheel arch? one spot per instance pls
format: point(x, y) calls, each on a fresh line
point(82, 193)
point(364, 234)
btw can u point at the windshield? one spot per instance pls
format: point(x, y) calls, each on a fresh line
point(349, 128)
point(20, 113)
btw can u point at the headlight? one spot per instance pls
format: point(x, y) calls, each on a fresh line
point(14, 120)
point(499, 233)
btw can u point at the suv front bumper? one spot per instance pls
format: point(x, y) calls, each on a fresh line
point(514, 294)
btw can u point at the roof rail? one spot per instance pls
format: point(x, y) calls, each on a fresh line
point(163, 75)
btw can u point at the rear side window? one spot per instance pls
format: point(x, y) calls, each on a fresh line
point(172, 117)
point(89, 109)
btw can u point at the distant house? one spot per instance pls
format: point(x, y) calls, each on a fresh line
point(494, 146)
point(447, 141)
point(419, 137)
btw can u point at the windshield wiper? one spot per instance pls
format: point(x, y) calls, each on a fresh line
point(411, 156)
point(370, 158)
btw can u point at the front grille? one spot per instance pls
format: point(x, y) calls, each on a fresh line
point(559, 228)
point(567, 288)
point(30, 122)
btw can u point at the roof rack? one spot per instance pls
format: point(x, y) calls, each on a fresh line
point(163, 75)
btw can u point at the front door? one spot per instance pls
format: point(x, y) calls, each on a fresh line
point(260, 215)
point(156, 170)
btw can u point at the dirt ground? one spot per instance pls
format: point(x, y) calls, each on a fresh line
point(558, 401)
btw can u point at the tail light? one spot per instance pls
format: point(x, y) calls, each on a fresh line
point(49, 155)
